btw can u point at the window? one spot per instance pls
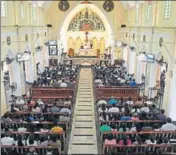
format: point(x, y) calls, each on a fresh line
point(137, 14)
point(3, 8)
point(34, 13)
point(167, 9)
point(149, 12)
point(129, 16)
point(22, 11)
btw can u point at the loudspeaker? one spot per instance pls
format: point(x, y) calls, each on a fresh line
point(123, 26)
point(49, 25)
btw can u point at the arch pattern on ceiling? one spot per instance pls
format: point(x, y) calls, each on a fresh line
point(86, 20)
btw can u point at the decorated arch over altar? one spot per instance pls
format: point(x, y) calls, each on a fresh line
point(86, 20)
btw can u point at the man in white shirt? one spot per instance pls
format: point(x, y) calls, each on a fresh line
point(63, 84)
point(145, 108)
point(66, 110)
point(114, 108)
point(101, 102)
point(101, 84)
point(19, 101)
point(21, 129)
point(130, 101)
point(122, 81)
point(169, 126)
point(40, 102)
point(98, 81)
point(7, 140)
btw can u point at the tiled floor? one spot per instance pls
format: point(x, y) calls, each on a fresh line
point(83, 138)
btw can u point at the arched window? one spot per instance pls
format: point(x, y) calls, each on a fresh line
point(167, 9)
point(34, 13)
point(34, 7)
point(149, 12)
point(22, 11)
point(137, 14)
point(3, 8)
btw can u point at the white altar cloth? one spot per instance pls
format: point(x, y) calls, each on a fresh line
point(87, 52)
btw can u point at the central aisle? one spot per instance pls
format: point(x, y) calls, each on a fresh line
point(83, 138)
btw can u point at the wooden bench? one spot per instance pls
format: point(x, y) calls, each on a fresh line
point(155, 133)
point(50, 92)
point(35, 113)
point(122, 106)
point(25, 149)
point(137, 149)
point(134, 99)
point(119, 92)
point(49, 99)
point(66, 124)
point(21, 107)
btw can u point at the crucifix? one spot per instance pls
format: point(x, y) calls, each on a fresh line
point(110, 49)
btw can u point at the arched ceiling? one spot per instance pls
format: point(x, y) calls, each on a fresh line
point(125, 4)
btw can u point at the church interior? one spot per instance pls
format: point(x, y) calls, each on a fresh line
point(88, 77)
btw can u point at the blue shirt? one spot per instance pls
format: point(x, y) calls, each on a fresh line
point(31, 118)
point(133, 84)
point(125, 118)
point(112, 101)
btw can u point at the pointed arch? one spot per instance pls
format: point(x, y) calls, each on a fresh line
point(70, 15)
point(102, 45)
point(78, 44)
point(70, 43)
point(95, 44)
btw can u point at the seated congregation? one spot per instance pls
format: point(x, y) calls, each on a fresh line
point(39, 124)
point(57, 76)
point(131, 125)
point(116, 75)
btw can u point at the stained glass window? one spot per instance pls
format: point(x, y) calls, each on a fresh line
point(167, 9)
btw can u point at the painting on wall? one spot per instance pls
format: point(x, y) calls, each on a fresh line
point(86, 20)
point(53, 50)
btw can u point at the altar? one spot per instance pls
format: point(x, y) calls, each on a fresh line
point(87, 52)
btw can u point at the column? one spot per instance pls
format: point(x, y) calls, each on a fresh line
point(152, 79)
point(29, 69)
point(131, 67)
point(171, 106)
point(139, 71)
point(22, 75)
point(112, 55)
point(16, 77)
point(3, 99)
point(166, 91)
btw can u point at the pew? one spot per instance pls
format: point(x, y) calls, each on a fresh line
point(117, 92)
point(136, 149)
point(155, 133)
point(22, 106)
point(48, 99)
point(134, 99)
point(41, 150)
point(50, 92)
point(35, 113)
point(61, 135)
point(66, 124)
